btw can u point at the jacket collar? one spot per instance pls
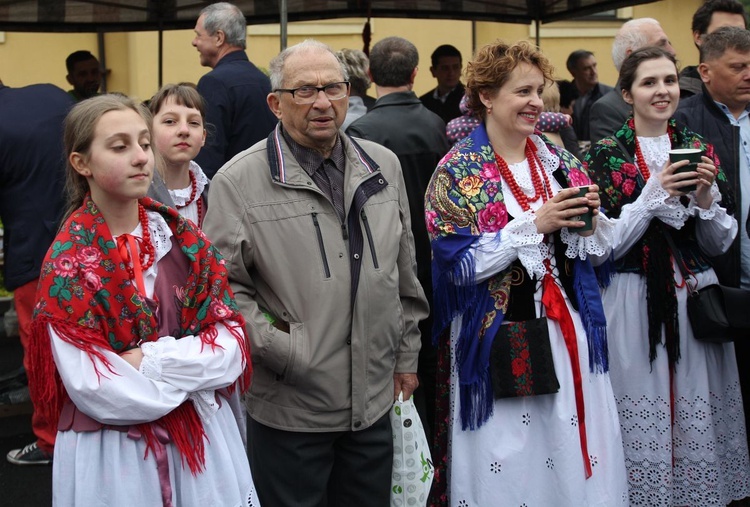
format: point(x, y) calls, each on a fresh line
point(397, 99)
point(234, 56)
point(280, 160)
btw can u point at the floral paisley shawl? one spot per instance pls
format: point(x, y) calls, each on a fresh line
point(463, 201)
point(86, 295)
point(619, 184)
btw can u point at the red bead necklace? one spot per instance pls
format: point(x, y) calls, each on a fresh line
point(541, 188)
point(146, 255)
point(193, 194)
point(639, 158)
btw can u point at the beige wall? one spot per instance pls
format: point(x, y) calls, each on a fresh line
point(132, 57)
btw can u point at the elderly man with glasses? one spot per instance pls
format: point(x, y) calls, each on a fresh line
point(316, 233)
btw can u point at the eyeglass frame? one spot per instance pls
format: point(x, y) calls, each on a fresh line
point(318, 89)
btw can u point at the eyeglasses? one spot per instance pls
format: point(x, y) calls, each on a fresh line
point(308, 94)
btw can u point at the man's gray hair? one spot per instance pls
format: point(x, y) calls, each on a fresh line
point(356, 64)
point(229, 19)
point(276, 67)
point(630, 37)
point(715, 44)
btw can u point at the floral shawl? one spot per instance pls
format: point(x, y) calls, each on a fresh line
point(620, 183)
point(86, 295)
point(464, 200)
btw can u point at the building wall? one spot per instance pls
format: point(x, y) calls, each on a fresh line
point(132, 64)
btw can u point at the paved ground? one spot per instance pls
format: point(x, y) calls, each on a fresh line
point(27, 486)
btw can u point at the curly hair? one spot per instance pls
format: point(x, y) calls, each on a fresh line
point(492, 66)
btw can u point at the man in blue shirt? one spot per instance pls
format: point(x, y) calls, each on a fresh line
point(235, 91)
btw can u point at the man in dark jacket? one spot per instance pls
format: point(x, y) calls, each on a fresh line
point(444, 100)
point(709, 17)
point(416, 135)
point(235, 90)
point(582, 66)
point(721, 114)
point(32, 177)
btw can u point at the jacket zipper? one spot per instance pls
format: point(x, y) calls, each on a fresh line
point(369, 239)
point(320, 244)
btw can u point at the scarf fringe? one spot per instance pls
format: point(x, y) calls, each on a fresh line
point(591, 312)
point(454, 290)
point(477, 402)
point(605, 272)
point(45, 386)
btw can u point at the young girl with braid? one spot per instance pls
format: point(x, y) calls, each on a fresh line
point(136, 337)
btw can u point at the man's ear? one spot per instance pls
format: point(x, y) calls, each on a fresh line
point(697, 38)
point(413, 75)
point(705, 71)
point(274, 104)
point(221, 37)
point(432, 71)
point(79, 164)
point(70, 81)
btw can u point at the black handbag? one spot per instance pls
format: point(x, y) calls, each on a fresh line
point(521, 360)
point(717, 313)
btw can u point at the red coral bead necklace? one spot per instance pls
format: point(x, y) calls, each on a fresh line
point(193, 195)
point(539, 178)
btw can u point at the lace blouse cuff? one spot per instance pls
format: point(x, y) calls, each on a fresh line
point(151, 362)
point(598, 244)
point(658, 203)
point(205, 404)
point(528, 242)
point(705, 214)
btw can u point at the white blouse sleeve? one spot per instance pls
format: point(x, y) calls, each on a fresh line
point(123, 396)
point(654, 202)
point(191, 365)
point(494, 252)
point(715, 229)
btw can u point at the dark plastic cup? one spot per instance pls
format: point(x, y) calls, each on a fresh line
point(693, 155)
point(586, 218)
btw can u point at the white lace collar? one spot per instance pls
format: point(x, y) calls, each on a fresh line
point(181, 196)
point(655, 151)
point(521, 172)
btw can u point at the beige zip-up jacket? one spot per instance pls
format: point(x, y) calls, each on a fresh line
point(348, 292)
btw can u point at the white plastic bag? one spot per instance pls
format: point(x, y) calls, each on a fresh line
point(412, 463)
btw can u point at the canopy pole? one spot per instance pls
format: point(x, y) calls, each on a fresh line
point(537, 23)
point(283, 24)
point(161, 56)
point(101, 48)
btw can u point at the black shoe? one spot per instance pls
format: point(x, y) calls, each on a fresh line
point(15, 396)
point(29, 455)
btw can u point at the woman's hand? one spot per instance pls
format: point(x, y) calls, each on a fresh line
point(133, 357)
point(707, 172)
point(557, 213)
point(674, 182)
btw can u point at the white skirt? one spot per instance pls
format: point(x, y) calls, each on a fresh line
point(529, 452)
point(107, 469)
point(701, 459)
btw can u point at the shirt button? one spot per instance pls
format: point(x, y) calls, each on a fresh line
point(357, 424)
point(348, 342)
point(356, 256)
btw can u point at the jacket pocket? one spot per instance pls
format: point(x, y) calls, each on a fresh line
point(322, 247)
point(299, 355)
point(368, 232)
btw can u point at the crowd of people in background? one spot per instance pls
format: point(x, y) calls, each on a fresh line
point(222, 291)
